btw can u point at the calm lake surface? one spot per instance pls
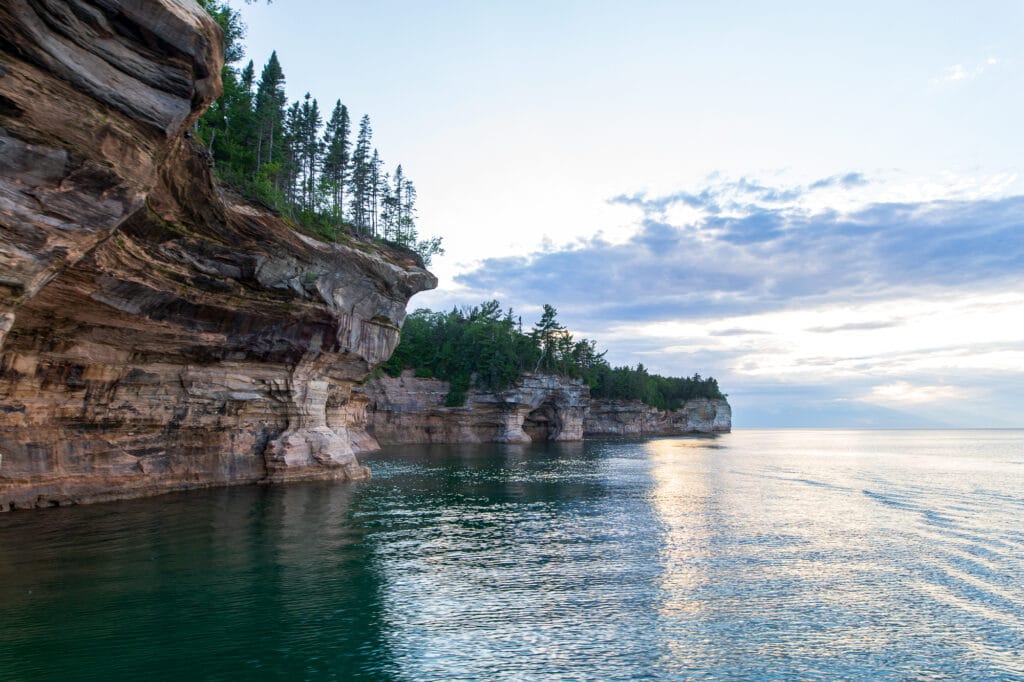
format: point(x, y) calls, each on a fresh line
point(754, 555)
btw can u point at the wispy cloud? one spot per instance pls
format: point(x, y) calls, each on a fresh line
point(846, 180)
point(858, 326)
point(746, 252)
point(905, 392)
point(959, 73)
point(736, 331)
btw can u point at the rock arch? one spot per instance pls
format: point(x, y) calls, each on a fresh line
point(545, 421)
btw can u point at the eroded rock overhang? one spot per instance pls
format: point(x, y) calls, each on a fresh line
point(157, 333)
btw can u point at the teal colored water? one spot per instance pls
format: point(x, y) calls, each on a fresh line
point(755, 555)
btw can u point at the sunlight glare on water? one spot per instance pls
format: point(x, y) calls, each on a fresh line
point(753, 555)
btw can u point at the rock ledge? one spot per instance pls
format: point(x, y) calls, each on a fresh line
point(157, 333)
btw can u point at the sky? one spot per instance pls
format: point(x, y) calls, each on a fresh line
point(819, 204)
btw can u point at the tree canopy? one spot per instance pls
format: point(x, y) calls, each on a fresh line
point(290, 158)
point(487, 347)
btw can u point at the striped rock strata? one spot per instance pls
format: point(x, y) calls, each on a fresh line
point(156, 333)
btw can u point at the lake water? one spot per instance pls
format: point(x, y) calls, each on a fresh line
point(754, 555)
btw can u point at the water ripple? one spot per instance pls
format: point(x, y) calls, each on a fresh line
point(757, 555)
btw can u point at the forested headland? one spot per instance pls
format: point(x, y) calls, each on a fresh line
point(323, 171)
point(301, 160)
point(488, 347)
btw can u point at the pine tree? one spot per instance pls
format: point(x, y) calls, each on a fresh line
point(304, 125)
point(394, 230)
point(336, 159)
point(248, 77)
point(388, 209)
point(288, 164)
point(359, 177)
point(237, 155)
point(546, 334)
point(270, 114)
point(407, 215)
point(376, 187)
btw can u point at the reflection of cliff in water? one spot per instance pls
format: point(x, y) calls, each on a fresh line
point(233, 582)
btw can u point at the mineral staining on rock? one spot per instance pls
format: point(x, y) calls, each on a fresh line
point(158, 333)
point(155, 332)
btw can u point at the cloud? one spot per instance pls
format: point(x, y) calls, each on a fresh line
point(746, 253)
point(725, 197)
point(736, 331)
point(905, 392)
point(857, 326)
point(847, 180)
point(811, 304)
point(958, 73)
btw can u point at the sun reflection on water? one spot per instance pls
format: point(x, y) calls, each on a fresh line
point(805, 551)
point(750, 556)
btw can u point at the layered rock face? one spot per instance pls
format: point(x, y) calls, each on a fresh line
point(408, 409)
point(634, 418)
point(155, 333)
point(538, 407)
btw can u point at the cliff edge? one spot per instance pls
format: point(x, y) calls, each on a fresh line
point(157, 333)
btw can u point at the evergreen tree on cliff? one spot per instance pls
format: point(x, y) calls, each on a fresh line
point(546, 334)
point(392, 207)
point(406, 234)
point(270, 118)
point(359, 178)
point(336, 159)
point(376, 190)
point(225, 127)
point(286, 157)
point(305, 148)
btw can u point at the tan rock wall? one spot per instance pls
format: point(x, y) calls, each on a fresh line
point(156, 333)
point(408, 409)
point(634, 418)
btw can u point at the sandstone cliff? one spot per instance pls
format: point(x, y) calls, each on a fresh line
point(634, 418)
point(408, 409)
point(155, 333)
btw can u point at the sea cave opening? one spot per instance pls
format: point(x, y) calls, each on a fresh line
point(543, 423)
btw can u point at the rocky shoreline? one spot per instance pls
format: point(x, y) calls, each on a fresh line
point(158, 333)
point(538, 407)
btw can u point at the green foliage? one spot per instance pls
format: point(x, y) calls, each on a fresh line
point(665, 393)
point(459, 345)
point(428, 248)
point(231, 24)
point(484, 345)
point(286, 157)
point(337, 157)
